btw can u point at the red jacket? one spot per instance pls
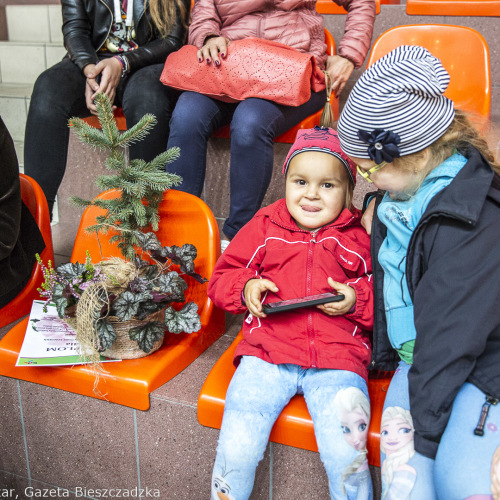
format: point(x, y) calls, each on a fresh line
point(292, 22)
point(299, 262)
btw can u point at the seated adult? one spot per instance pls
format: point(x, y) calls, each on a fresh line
point(20, 238)
point(114, 48)
point(256, 122)
point(437, 279)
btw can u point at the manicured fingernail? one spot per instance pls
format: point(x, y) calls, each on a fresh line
point(217, 63)
point(200, 59)
point(208, 60)
point(223, 54)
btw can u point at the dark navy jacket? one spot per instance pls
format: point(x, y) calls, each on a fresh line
point(453, 275)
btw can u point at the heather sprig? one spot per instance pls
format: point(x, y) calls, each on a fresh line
point(65, 284)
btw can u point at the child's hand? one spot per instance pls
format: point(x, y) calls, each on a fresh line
point(343, 306)
point(253, 291)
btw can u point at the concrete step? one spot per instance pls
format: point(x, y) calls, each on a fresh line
point(34, 23)
point(22, 62)
point(14, 104)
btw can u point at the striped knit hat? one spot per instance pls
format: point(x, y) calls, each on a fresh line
point(397, 107)
point(324, 140)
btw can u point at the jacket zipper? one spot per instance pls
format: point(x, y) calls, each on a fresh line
point(310, 331)
point(110, 26)
point(479, 430)
point(259, 28)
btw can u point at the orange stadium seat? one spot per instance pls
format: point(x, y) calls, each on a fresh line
point(184, 218)
point(34, 198)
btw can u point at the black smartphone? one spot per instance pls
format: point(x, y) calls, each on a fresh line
point(311, 300)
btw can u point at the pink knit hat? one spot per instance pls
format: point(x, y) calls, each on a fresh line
point(324, 140)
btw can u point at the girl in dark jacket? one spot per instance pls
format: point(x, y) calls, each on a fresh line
point(435, 243)
point(117, 48)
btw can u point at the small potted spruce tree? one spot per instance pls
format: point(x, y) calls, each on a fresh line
point(121, 307)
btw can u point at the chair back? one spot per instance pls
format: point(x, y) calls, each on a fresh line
point(330, 7)
point(476, 8)
point(34, 198)
point(184, 218)
point(463, 52)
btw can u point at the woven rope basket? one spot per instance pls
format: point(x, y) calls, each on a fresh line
point(126, 348)
point(123, 347)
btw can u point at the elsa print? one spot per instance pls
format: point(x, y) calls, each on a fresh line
point(354, 412)
point(396, 441)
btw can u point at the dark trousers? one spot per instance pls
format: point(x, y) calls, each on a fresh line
point(254, 125)
point(59, 94)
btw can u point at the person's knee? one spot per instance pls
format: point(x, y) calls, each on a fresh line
point(144, 93)
point(44, 98)
point(188, 120)
point(248, 130)
point(242, 452)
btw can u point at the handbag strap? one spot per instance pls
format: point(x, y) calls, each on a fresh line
point(327, 115)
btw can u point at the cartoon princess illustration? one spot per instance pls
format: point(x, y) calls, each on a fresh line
point(396, 441)
point(354, 411)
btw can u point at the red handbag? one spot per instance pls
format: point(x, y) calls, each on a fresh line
point(253, 68)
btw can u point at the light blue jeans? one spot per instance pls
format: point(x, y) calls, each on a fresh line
point(339, 406)
point(467, 466)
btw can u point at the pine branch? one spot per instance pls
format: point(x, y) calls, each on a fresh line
point(116, 161)
point(80, 202)
point(139, 212)
point(107, 119)
point(90, 135)
point(138, 131)
point(106, 182)
point(157, 181)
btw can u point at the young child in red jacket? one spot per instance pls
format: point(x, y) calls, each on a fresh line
point(309, 243)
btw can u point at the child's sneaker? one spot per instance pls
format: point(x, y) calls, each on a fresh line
point(223, 245)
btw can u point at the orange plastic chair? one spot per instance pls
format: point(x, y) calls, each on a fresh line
point(309, 122)
point(184, 219)
point(294, 426)
point(463, 52)
point(34, 198)
point(330, 7)
point(489, 8)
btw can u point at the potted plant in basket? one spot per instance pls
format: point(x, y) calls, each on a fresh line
point(121, 307)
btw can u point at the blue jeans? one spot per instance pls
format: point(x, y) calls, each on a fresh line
point(339, 406)
point(59, 94)
point(254, 125)
point(466, 465)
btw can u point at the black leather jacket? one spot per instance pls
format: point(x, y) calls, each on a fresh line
point(87, 24)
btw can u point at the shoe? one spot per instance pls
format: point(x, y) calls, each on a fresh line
point(223, 245)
